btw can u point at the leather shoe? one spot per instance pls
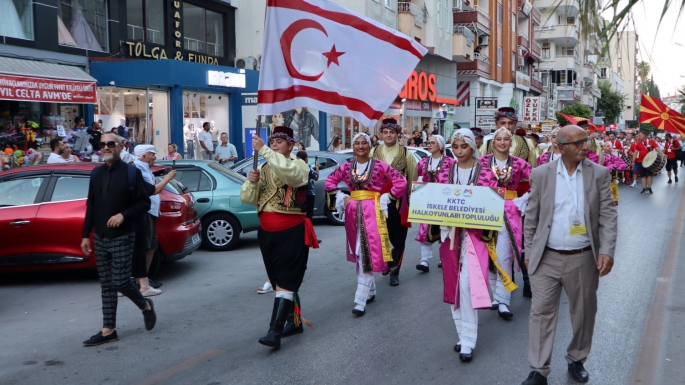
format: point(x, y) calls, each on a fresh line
point(507, 315)
point(422, 267)
point(440, 265)
point(386, 272)
point(394, 280)
point(578, 372)
point(358, 312)
point(526, 291)
point(368, 301)
point(535, 378)
point(457, 348)
point(466, 357)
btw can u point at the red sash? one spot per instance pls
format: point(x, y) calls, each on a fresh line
point(273, 222)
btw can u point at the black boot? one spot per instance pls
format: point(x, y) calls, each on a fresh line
point(290, 328)
point(282, 307)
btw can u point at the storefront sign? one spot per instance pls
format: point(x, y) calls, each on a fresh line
point(531, 110)
point(486, 106)
point(526, 7)
point(439, 114)
point(138, 50)
point(546, 127)
point(522, 81)
point(426, 106)
point(46, 90)
point(420, 86)
point(249, 132)
point(472, 207)
point(486, 124)
point(226, 79)
point(249, 100)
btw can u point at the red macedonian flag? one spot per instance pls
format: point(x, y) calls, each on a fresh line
point(320, 55)
point(654, 111)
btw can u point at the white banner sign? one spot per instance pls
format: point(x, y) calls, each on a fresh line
point(531, 110)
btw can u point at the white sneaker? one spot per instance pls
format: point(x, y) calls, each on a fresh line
point(152, 292)
point(634, 184)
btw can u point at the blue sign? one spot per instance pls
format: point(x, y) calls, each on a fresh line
point(249, 100)
point(249, 132)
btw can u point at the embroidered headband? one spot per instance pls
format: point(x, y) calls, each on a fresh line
point(506, 112)
point(467, 136)
point(502, 129)
point(283, 132)
point(363, 136)
point(391, 123)
point(440, 140)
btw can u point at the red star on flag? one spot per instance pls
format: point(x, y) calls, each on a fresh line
point(333, 56)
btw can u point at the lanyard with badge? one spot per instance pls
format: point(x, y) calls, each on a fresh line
point(576, 220)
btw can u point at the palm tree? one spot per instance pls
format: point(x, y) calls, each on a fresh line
point(681, 99)
point(643, 69)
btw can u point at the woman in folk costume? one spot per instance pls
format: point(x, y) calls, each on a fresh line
point(372, 183)
point(510, 170)
point(553, 152)
point(432, 169)
point(463, 254)
point(616, 166)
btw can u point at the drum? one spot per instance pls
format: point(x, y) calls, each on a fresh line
point(654, 162)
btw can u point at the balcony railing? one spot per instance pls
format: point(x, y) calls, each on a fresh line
point(535, 14)
point(413, 9)
point(537, 84)
point(482, 57)
point(461, 30)
point(523, 40)
point(535, 48)
point(482, 11)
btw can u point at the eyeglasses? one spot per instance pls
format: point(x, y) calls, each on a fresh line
point(578, 143)
point(110, 144)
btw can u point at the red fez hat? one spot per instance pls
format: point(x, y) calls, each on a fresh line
point(283, 132)
point(389, 121)
point(477, 131)
point(520, 132)
point(507, 109)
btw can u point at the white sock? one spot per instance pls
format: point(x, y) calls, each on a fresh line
point(424, 262)
point(359, 307)
point(495, 303)
point(285, 294)
point(465, 350)
point(503, 308)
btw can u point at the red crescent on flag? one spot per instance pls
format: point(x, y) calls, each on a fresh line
point(287, 40)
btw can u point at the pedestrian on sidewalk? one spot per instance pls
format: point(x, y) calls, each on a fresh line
point(285, 233)
point(146, 242)
point(366, 214)
point(116, 198)
point(570, 237)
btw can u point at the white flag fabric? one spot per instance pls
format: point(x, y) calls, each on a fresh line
point(318, 54)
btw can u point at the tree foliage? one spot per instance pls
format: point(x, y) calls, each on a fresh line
point(611, 102)
point(643, 70)
point(577, 109)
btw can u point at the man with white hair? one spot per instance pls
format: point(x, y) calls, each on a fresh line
point(146, 241)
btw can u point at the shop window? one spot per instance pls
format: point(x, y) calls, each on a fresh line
point(203, 30)
point(69, 188)
point(83, 24)
point(17, 19)
point(19, 192)
point(145, 20)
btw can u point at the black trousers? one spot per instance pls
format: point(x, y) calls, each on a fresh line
point(285, 256)
point(113, 258)
point(398, 237)
point(310, 206)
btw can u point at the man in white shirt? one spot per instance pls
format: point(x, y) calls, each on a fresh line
point(570, 235)
point(146, 236)
point(56, 154)
point(225, 154)
point(205, 139)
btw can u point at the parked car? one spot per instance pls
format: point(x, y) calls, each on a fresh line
point(42, 209)
point(217, 199)
point(328, 162)
point(448, 150)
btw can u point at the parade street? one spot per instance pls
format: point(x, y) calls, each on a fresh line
point(210, 318)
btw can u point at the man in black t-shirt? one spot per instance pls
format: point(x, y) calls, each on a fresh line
point(117, 197)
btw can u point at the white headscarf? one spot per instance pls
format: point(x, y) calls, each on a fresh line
point(363, 136)
point(440, 140)
point(502, 129)
point(467, 136)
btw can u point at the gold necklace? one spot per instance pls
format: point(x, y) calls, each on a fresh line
point(503, 176)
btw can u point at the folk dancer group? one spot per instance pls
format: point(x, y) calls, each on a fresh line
point(477, 265)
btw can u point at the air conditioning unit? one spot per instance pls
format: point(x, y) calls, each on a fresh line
point(484, 40)
point(522, 62)
point(545, 45)
point(248, 63)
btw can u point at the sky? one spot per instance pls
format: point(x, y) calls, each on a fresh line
point(658, 45)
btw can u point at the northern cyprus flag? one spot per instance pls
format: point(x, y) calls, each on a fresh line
point(320, 55)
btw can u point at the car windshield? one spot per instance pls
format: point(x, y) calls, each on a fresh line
point(230, 174)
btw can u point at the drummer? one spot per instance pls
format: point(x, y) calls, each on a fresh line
point(640, 149)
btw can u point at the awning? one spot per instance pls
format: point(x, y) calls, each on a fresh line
point(35, 81)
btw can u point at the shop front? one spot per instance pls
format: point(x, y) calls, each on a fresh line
point(160, 102)
point(39, 102)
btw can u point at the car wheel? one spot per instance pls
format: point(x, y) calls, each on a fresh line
point(336, 218)
point(220, 232)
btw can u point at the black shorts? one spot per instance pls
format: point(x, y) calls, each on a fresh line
point(671, 164)
point(643, 171)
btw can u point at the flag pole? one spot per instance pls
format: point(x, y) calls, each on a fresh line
point(256, 153)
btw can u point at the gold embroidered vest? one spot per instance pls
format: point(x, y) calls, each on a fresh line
point(278, 196)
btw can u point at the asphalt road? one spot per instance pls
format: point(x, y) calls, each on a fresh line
point(210, 317)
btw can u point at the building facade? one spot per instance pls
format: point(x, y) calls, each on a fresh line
point(160, 67)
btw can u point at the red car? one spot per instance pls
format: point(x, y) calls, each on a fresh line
point(42, 210)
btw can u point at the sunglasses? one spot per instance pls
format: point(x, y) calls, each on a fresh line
point(110, 144)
